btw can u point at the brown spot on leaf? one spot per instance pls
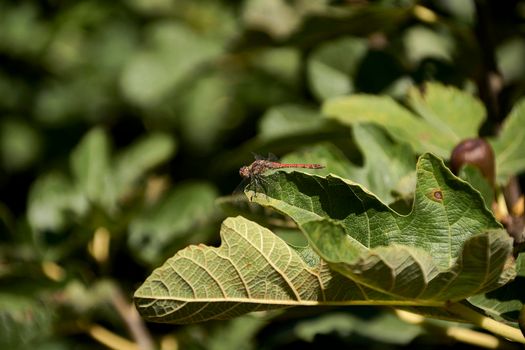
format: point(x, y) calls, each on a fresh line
point(476, 152)
point(436, 195)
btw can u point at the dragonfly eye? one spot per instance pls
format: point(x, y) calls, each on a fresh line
point(244, 171)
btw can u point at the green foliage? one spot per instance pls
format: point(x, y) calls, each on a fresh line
point(505, 304)
point(448, 248)
point(508, 145)
point(177, 216)
point(446, 116)
point(123, 126)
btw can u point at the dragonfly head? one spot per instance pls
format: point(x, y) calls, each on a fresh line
point(244, 171)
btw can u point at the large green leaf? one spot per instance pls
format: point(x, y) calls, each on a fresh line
point(451, 113)
point(509, 145)
point(446, 116)
point(252, 270)
point(255, 270)
point(448, 248)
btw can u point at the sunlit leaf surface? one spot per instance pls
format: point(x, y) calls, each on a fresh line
point(445, 116)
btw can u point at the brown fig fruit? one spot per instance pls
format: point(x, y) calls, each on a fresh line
point(476, 152)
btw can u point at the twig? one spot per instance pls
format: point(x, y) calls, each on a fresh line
point(464, 335)
point(487, 323)
point(490, 81)
point(110, 339)
point(132, 319)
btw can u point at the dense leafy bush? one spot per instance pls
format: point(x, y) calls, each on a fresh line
point(123, 126)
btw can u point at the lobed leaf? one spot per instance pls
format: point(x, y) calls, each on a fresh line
point(252, 270)
point(448, 247)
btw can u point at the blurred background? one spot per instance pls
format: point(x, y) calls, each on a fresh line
point(123, 122)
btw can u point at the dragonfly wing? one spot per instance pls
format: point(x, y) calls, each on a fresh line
point(257, 156)
point(240, 187)
point(272, 157)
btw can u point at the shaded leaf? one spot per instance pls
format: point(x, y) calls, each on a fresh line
point(505, 303)
point(463, 11)
point(144, 154)
point(332, 65)
point(283, 63)
point(174, 52)
point(386, 164)
point(280, 130)
point(276, 17)
point(91, 168)
point(209, 107)
point(22, 31)
point(448, 248)
point(52, 199)
point(177, 216)
point(476, 179)
point(24, 322)
point(20, 144)
point(509, 56)
point(422, 43)
point(353, 20)
point(384, 327)
point(238, 333)
point(286, 120)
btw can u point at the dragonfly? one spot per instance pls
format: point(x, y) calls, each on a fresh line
point(260, 165)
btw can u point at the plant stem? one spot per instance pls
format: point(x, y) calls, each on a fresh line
point(485, 322)
point(110, 339)
point(461, 334)
point(132, 319)
point(490, 81)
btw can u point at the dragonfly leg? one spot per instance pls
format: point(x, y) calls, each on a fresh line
point(260, 185)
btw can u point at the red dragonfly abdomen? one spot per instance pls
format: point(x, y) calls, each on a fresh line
point(276, 165)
